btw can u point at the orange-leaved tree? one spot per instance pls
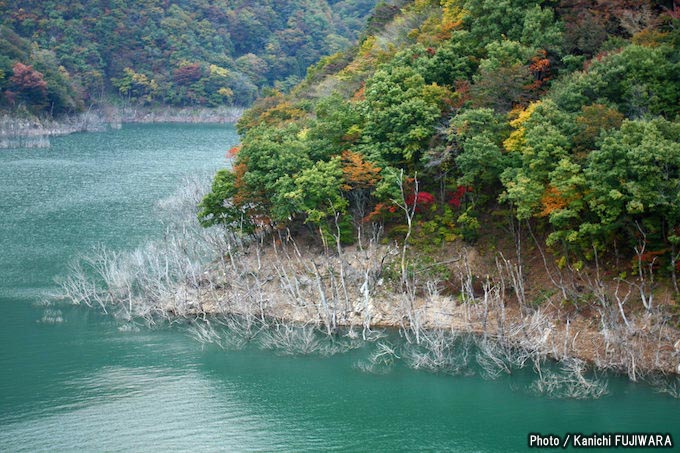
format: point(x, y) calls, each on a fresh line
point(360, 177)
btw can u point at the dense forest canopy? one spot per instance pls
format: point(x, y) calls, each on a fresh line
point(561, 114)
point(58, 56)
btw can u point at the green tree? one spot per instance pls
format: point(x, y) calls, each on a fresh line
point(635, 174)
point(136, 86)
point(638, 81)
point(318, 192)
point(476, 137)
point(492, 20)
point(401, 113)
point(541, 140)
point(272, 158)
point(338, 126)
point(217, 206)
point(504, 76)
point(540, 30)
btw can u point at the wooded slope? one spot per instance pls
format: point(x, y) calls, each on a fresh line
point(560, 117)
point(178, 52)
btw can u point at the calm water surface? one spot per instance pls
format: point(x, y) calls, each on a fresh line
point(73, 380)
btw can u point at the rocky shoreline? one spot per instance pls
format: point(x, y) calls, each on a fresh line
point(219, 115)
point(33, 132)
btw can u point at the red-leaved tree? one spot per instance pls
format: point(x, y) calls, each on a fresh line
point(29, 85)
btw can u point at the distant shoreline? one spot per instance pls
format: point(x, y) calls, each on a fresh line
point(197, 115)
point(33, 132)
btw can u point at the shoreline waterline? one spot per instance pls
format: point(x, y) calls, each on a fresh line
point(197, 272)
point(18, 131)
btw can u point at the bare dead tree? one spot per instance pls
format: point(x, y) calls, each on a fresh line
point(570, 382)
point(645, 282)
point(621, 301)
point(675, 259)
point(381, 360)
point(555, 274)
point(232, 290)
point(440, 351)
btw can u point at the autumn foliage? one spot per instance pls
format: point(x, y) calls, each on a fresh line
point(562, 114)
point(233, 151)
point(553, 200)
point(188, 74)
point(456, 198)
point(28, 84)
point(357, 172)
point(242, 195)
point(198, 52)
point(421, 201)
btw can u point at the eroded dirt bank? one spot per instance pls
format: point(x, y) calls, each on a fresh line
point(363, 287)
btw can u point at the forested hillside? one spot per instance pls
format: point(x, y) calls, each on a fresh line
point(453, 120)
point(59, 56)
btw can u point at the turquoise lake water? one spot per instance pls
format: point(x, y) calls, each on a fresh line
point(72, 379)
